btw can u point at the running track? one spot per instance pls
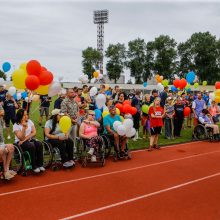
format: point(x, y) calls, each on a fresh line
point(181, 182)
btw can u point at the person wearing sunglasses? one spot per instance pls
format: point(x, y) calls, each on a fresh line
point(89, 132)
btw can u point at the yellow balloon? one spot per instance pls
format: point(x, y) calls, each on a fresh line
point(117, 111)
point(35, 98)
point(65, 124)
point(18, 78)
point(104, 113)
point(96, 74)
point(122, 118)
point(217, 92)
point(42, 90)
point(217, 99)
point(23, 66)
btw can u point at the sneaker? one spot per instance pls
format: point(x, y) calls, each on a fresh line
point(12, 172)
point(42, 169)
point(93, 158)
point(122, 154)
point(67, 164)
point(91, 151)
point(9, 137)
point(37, 170)
point(71, 162)
point(8, 176)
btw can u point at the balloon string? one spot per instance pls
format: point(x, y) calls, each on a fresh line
point(36, 108)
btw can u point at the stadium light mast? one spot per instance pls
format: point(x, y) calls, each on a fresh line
point(100, 17)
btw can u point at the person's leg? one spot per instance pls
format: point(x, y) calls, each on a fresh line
point(116, 139)
point(41, 115)
point(152, 137)
point(156, 140)
point(123, 143)
point(47, 113)
point(7, 126)
point(39, 153)
point(69, 149)
point(167, 128)
point(175, 127)
point(10, 149)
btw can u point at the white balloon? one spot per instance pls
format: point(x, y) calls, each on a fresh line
point(116, 124)
point(212, 96)
point(18, 96)
point(121, 130)
point(100, 76)
point(93, 80)
point(80, 78)
point(54, 89)
point(128, 123)
point(4, 86)
point(26, 99)
point(93, 91)
point(100, 100)
point(131, 133)
point(176, 77)
point(12, 90)
point(160, 87)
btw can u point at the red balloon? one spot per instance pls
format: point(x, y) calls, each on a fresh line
point(43, 69)
point(183, 83)
point(34, 68)
point(176, 83)
point(119, 106)
point(186, 111)
point(126, 108)
point(217, 85)
point(45, 78)
point(133, 111)
point(127, 102)
point(32, 82)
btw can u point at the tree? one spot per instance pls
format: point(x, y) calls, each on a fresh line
point(2, 75)
point(91, 58)
point(116, 55)
point(136, 62)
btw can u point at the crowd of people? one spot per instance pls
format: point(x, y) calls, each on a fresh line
point(164, 109)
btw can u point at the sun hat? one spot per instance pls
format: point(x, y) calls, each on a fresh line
point(56, 112)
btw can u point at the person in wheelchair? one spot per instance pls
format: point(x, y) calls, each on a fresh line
point(108, 122)
point(208, 123)
point(25, 132)
point(89, 132)
point(57, 138)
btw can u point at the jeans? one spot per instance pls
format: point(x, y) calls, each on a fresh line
point(168, 127)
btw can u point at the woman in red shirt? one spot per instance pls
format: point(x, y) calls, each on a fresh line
point(156, 113)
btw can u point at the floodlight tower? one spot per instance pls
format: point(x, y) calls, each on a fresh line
point(100, 17)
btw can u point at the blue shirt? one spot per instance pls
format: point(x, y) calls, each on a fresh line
point(109, 121)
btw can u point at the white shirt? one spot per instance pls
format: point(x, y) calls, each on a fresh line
point(18, 127)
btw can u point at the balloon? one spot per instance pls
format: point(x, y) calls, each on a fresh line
point(128, 123)
point(23, 66)
point(24, 95)
point(117, 111)
point(122, 118)
point(176, 77)
point(32, 82)
point(133, 111)
point(65, 124)
point(105, 113)
point(160, 79)
point(54, 89)
point(187, 86)
point(157, 77)
point(12, 90)
point(6, 66)
point(96, 74)
point(165, 82)
point(85, 79)
point(26, 99)
point(43, 69)
point(217, 92)
point(98, 114)
point(176, 83)
point(183, 83)
point(19, 96)
point(190, 77)
point(186, 111)
point(160, 87)
point(217, 99)
point(145, 109)
point(15, 96)
point(204, 83)
point(126, 102)
point(121, 130)
point(42, 90)
point(45, 78)
point(100, 100)
point(196, 85)
point(93, 80)
point(116, 124)
point(174, 89)
point(35, 98)
point(100, 76)
point(33, 68)
point(196, 79)
point(145, 84)
point(212, 96)
point(131, 133)
point(119, 106)
point(126, 108)
point(217, 85)
point(18, 78)
point(93, 91)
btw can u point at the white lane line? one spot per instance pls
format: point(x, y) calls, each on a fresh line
point(105, 174)
point(140, 197)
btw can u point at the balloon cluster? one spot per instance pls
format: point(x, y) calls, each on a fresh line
point(84, 79)
point(125, 128)
point(217, 92)
point(126, 108)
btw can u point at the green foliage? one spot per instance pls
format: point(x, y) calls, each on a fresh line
point(91, 58)
point(2, 75)
point(116, 55)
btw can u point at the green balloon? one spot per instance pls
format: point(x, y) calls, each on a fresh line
point(165, 82)
point(196, 85)
point(145, 109)
point(187, 86)
point(204, 83)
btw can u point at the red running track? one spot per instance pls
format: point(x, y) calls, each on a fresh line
point(179, 182)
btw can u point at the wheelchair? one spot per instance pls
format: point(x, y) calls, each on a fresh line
point(110, 143)
point(201, 132)
point(82, 153)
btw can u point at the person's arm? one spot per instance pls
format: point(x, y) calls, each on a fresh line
point(193, 109)
point(21, 134)
point(95, 123)
point(109, 130)
point(50, 136)
point(32, 134)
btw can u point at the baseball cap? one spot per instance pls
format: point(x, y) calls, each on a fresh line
point(57, 112)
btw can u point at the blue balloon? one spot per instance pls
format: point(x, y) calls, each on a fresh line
point(145, 84)
point(24, 95)
point(98, 114)
point(190, 77)
point(188, 90)
point(6, 66)
point(174, 89)
point(15, 96)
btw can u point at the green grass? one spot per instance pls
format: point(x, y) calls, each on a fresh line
point(34, 116)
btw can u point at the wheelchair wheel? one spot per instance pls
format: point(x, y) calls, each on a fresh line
point(103, 162)
point(47, 154)
point(17, 159)
point(84, 162)
point(107, 145)
point(78, 149)
point(200, 132)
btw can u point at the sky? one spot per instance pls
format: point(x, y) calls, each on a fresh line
point(56, 31)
